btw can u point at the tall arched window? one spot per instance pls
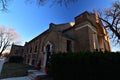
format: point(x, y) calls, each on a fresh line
point(69, 46)
point(35, 48)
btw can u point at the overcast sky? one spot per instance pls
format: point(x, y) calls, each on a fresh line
point(29, 20)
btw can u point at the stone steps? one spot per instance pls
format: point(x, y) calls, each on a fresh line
point(32, 76)
point(36, 75)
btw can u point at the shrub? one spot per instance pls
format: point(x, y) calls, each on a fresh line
point(84, 66)
point(16, 59)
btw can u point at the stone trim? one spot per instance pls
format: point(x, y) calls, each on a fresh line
point(86, 25)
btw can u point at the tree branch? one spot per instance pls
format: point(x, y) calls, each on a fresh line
point(111, 28)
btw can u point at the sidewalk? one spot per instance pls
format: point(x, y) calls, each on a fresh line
point(33, 74)
point(18, 78)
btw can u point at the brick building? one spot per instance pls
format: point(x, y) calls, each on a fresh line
point(86, 33)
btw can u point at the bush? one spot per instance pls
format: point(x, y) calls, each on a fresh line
point(84, 66)
point(16, 59)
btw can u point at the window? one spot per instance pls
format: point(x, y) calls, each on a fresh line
point(94, 41)
point(22, 50)
point(30, 50)
point(69, 46)
point(35, 48)
point(33, 62)
point(48, 48)
point(28, 60)
point(25, 58)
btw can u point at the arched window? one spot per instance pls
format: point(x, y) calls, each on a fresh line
point(48, 48)
point(28, 60)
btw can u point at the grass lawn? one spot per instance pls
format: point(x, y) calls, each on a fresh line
point(14, 70)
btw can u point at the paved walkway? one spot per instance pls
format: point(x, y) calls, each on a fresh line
point(34, 74)
point(17, 78)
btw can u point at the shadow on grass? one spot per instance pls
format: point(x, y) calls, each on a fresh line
point(15, 70)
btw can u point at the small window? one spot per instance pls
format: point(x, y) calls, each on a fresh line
point(69, 46)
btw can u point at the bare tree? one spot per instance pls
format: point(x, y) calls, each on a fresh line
point(59, 2)
point(7, 37)
point(111, 20)
point(3, 5)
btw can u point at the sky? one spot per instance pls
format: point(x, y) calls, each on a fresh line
point(30, 19)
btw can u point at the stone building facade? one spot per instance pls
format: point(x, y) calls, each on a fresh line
point(86, 33)
point(17, 50)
